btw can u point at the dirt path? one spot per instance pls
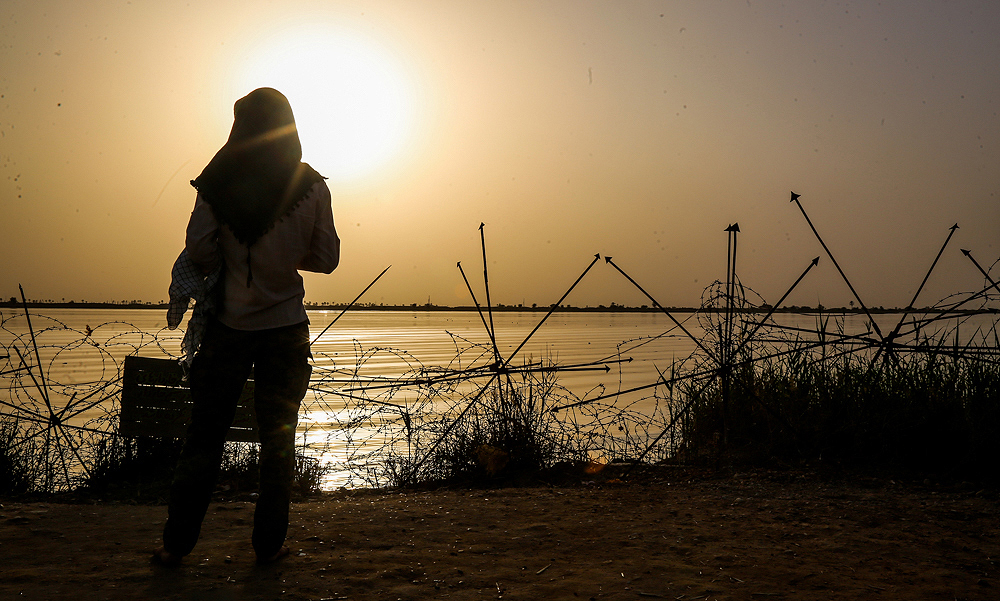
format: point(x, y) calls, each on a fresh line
point(753, 537)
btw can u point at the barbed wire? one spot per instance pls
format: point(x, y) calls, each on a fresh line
point(372, 414)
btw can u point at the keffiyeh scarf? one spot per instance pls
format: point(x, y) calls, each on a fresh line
point(187, 282)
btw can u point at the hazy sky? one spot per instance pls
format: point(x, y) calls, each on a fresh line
point(639, 130)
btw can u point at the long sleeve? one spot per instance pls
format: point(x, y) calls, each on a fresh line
point(202, 238)
point(324, 247)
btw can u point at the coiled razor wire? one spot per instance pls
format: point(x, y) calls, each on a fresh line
point(373, 415)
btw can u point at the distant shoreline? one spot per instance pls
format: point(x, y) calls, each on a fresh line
point(512, 308)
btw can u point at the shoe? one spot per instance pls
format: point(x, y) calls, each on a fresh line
point(282, 553)
point(166, 558)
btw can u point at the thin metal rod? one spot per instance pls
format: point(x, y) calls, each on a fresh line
point(729, 291)
point(968, 253)
point(23, 412)
point(867, 343)
point(33, 379)
point(62, 454)
point(454, 422)
point(733, 231)
point(94, 392)
point(551, 310)
point(76, 451)
point(486, 282)
point(727, 338)
point(795, 199)
point(77, 411)
point(44, 389)
point(659, 382)
point(775, 306)
point(909, 306)
point(479, 372)
point(665, 312)
point(320, 335)
point(951, 233)
point(479, 309)
point(669, 427)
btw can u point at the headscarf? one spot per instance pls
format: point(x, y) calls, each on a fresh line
point(258, 177)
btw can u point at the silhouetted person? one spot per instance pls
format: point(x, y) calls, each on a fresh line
point(262, 215)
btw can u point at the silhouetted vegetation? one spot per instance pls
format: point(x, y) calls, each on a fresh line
point(503, 432)
point(141, 470)
point(931, 410)
point(16, 465)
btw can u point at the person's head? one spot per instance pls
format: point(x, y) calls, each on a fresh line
point(257, 176)
point(263, 119)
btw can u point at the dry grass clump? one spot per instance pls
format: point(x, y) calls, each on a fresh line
point(502, 432)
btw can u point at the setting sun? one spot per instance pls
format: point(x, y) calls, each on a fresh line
point(352, 100)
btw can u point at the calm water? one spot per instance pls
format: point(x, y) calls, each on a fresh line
point(426, 338)
point(409, 340)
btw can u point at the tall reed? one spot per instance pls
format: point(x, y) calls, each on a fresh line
point(17, 467)
point(928, 410)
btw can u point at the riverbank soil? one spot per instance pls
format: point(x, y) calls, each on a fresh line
point(753, 536)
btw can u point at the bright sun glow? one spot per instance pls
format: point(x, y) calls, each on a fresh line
point(353, 102)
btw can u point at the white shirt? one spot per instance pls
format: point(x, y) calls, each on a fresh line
point(305, 239)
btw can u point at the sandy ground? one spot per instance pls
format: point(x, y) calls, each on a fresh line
point(753, 536)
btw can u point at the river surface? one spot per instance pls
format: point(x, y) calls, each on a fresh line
point(429, 338)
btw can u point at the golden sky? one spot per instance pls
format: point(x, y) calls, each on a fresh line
point(638, 130)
